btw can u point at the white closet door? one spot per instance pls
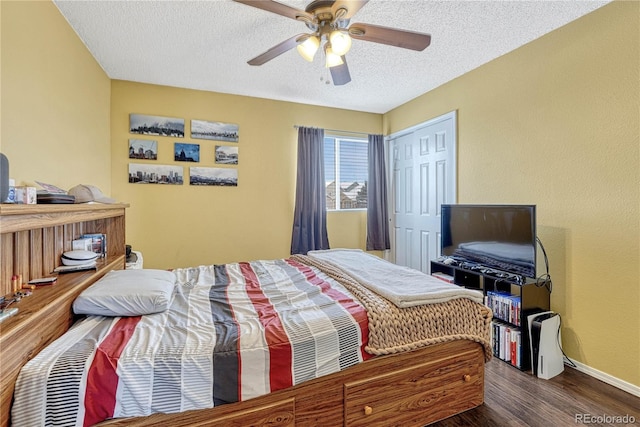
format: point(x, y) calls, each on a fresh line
point(422, 178)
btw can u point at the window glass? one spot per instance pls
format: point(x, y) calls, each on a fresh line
point(345, 163)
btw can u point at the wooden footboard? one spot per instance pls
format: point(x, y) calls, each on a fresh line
point(408, 389)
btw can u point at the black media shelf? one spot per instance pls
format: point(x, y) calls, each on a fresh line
point(512, 300)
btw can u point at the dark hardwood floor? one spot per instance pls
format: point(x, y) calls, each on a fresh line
point(515, 398)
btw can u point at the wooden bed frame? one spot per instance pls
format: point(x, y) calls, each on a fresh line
point(412, 388)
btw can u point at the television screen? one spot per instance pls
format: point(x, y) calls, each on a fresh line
point(502, 237)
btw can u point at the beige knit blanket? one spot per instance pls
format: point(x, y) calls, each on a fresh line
point(393, 329)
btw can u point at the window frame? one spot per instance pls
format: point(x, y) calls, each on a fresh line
point(337, 139)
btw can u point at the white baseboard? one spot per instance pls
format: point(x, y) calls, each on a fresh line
point(609, 379)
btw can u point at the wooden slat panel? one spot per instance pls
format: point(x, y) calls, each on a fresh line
point(6, 259)
point(36, 248)
point(21, 254)
point(115, 237)
point(69, 236)
point(48, 250)
point(58, 244)
point(99, 226)
point(76, 231)
point(113, 228)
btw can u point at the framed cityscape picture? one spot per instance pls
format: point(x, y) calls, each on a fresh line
point(201, 129)
point(155, 174)
point(156, 125)
point(186, 152)
point(226, 155)
point(213, 176)
point(143, 149)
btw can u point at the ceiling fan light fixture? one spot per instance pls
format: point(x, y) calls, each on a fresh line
point(332, 59)
point(340, 42)
point(308, 48)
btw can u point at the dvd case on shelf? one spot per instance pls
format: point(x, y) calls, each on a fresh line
point(98, 243)
point(507, 343)
point(505, 306)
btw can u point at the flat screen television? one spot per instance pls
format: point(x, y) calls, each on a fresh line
point(501, 237)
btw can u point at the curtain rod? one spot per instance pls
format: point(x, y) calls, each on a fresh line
point(334, 130)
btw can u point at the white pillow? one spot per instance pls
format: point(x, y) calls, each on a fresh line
point(127, 293)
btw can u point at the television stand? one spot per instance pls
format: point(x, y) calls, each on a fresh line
point(511, 297)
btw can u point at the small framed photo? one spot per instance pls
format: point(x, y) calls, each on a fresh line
point(186, 152)
point(226, 155)
point(143, 149)
point(201, 129)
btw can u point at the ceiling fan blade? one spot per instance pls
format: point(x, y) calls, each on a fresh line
point(352, 7)
point(277, 50)
point(278, 8)
point(391, 36)
point(340, 73)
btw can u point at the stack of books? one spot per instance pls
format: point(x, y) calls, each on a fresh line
point(507, 343)
point(504, 306)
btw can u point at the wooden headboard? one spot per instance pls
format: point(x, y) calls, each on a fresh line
point(32, 238)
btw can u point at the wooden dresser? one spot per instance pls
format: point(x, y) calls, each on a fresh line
point(32, 239)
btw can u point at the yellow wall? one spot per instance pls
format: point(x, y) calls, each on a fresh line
point(183, 225)
point(55, 101)
point(557, 123)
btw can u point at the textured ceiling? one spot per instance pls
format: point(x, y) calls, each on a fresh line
point(205, 45)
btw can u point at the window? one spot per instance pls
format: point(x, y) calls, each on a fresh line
point(346, 172)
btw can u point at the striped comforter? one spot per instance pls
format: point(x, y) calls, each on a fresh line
point(232, 332)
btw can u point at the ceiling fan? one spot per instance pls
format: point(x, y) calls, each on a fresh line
point(328, 21)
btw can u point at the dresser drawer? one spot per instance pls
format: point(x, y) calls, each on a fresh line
point(277, 414)
point(440, 388)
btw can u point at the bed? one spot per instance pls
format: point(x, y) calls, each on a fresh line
point(371, 363)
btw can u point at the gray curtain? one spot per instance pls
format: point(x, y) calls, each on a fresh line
point(377, 214)
point(310, 215)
